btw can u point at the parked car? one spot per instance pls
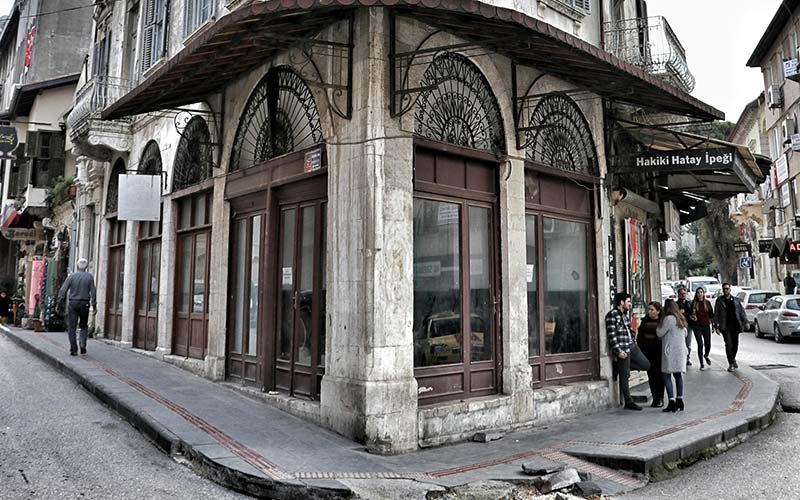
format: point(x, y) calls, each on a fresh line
point(751, 299)
point(694, 282)
point(779, 317)
point(667, 292)
point(440, 340)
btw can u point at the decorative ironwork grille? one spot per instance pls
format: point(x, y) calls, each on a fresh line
point(459, 106)
point(280, 117)
point(112, 194)
point(150, 163)
point(559, 136)
point(193, 157)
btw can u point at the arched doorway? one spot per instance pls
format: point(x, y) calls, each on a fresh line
point(456, 292)
point(560, 179)
point(115, 279)
point(277, 293)
point(193, 164)
point(148, 268)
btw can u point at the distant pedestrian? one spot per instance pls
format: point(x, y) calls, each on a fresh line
point(82, 296)
point(672, 332)
point(627, 355)
point(730, 320)
point(702, 314)
point(789, 284)
point(685, 305)
point(5, 307)
point(650, 344)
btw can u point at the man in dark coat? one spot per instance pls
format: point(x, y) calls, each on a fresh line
point(789, 284)
point(730, 320)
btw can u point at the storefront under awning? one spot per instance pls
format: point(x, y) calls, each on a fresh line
point(688, 169)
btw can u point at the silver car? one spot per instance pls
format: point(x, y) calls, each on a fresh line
point(779, 317)
point(751, 299)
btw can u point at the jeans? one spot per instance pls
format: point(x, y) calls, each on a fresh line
point(678, 384)
point(702, 334)
point(689, 330)
point(635, 361)
point(731, 345)
point(78, 311)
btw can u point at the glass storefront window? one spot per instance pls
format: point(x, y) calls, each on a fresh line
point(532, 282)
point(566, 286)
point(199, 291)
point(480, 288)
point(255, 262)
point(286, 278)
point(239, 238)
point(437, 286)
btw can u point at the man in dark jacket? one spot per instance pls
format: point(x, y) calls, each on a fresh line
point(730, 320)
point(627, 355)
point(789, 284)
point(685, 306)
point(82, 296)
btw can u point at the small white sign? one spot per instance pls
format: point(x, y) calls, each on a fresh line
point(795, 142)
point(448, 214)
point(782, 169)
point(431, 269)
point(139, 197)
point(790, 68)
point(529, 273)
point(286, 276)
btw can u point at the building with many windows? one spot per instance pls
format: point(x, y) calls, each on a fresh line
point(406, 220)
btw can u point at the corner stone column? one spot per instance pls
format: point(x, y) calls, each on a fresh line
point(517, 373)
point(166, 285)
point(369, 391)
point(218, 283)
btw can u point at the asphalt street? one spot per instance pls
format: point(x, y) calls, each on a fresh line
point(766, 465)
point(57, 441)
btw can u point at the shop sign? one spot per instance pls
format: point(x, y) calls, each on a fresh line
point(689, 159)
point(794, 247)
point(8, 142)
point(790, 68)
point(23, 233)
point(741, 246)
point(764, 246)
point(781, 169)
point(139, 197)
point(313, 160)
point(795, 142)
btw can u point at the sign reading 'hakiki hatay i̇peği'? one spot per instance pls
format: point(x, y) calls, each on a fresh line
point(694, 159)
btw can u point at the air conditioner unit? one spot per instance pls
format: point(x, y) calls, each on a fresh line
point(774, 97)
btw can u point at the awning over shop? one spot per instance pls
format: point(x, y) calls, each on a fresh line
point(689, 169)
point(780, 247)
point(251, 35)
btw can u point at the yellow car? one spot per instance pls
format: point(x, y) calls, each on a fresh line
point(441, 341)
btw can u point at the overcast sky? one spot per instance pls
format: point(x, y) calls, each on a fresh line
point(718, 35)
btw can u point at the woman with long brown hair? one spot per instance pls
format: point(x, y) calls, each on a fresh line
point(701, 318)
point(672, 332)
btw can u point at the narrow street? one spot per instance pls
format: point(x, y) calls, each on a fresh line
point(763, 467)
point(59, 442)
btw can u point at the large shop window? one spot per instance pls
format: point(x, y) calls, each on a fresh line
point(454, 277)
point(194, 249)
point(559, 275)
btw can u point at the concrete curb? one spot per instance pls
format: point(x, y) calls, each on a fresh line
point(172, 445)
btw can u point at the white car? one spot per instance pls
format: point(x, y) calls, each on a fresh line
point(752, 299)
point(667, 292)
point(779, 318)
point(695, 282)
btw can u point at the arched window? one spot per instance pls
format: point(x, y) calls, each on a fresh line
point(559, 136)
point(459, 107)
point(193, 157)
point(112, 193)
point(150, 162)
point(280, 117)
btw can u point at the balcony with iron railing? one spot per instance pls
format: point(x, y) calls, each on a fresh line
point(94, 96)
point(650, 44)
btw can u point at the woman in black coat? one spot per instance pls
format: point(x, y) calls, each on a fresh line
point(650, 345)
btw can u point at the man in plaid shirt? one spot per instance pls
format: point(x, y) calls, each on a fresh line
point(624, 350)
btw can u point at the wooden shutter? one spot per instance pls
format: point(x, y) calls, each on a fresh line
point(32, 145)
point(584, 4)
point(147, 34)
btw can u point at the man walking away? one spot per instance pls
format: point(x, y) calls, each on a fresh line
point(730, 320)
point(685, 307)
point(82, 294)
point(626, 353)
point(789, 284)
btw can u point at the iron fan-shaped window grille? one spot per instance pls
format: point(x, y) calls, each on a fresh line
point(193, 156)
point(559, 136)
point(150, 163)
point(280, 117)
point(112, 194)
point(459, 107)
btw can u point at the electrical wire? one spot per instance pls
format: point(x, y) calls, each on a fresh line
point(42, 14)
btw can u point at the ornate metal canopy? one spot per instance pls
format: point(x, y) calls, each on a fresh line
point(150, 162)
point(193, 157)
point(557, 135)
point(280, 117)
point(459, 106)
point(112, 194)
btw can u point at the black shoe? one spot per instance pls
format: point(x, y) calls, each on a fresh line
point(73, 353)
point(630, 405)
point(730, 368)
point(657, 403)
point(708, 361)
point(736, 365)
point(688, 363)
point(83, 347)
point(679, 405)
point(670, 407)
